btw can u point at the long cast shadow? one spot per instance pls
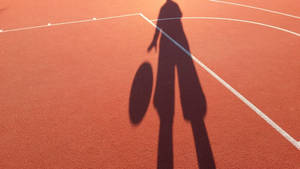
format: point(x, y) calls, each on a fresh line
point(193, 101)
point(192, 97)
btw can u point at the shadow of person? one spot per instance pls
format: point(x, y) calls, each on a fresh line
point(193, 101)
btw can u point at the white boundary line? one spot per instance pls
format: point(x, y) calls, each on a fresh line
point(66, 23)
point(253, 7)
point(235, 92)
point(135, 14)
point(231, 19)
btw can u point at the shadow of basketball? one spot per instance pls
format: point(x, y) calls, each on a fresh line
point(140, 93)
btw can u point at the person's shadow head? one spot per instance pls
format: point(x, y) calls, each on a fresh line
point(170, 9)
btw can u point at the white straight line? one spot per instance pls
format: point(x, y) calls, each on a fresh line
point(253, 7)
point(231, 19)
point(66, 23)
point(235, 92)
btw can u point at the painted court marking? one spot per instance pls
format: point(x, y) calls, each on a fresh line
point(253, 7)
point(235, 92)
point(135, 14)
point(66, 23)
point(231, 19)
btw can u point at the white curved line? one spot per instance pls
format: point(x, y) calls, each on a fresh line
point(253, 7)
point(231, 19)
point(229, 87)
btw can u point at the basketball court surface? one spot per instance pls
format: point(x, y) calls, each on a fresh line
point(150, 84)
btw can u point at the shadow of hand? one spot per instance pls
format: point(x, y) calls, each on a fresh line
point(152, 45)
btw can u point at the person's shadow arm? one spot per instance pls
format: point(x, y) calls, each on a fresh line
point(154, 41)
point(156, 35)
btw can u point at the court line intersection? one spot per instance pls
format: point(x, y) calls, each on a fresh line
point(230, 88)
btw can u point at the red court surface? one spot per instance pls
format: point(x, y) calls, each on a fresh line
point(69, 91)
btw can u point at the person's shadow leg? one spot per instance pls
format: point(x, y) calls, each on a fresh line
point(164, 103)
point(194, 108)
point(203, 149)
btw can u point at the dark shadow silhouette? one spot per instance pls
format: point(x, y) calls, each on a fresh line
point(192, 97)
point(193, 101)
point(140, 93)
